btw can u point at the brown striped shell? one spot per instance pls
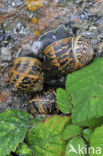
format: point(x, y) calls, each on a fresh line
point(43, 103)
point(26, 74)
point(69, 54)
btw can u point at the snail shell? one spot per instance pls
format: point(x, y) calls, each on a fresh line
point(26, 74)
point(43, 103)
point(69, 54)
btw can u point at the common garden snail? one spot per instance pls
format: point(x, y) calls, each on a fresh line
point(69, 54)
point(43, 103)
point(64, 56)
point(26, 74)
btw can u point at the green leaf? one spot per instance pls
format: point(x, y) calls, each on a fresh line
point(86, 88)
point(75, 147)
point(97, 142)
point(13, 127)
point(87, 134)
point(37, 119)
point(10, 154)
point(24, 150)
point(71, 131)
point(63, 101)
point(46, 138)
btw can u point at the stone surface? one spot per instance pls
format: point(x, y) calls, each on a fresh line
point(55, 19)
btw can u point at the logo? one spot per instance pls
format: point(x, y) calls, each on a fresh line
point(84, 149)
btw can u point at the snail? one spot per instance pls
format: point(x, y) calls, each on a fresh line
point(43, 103)
point(63, 56)
point(26, 74)
point(69, 54)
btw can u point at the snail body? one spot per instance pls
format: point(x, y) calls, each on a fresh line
point(26, 74)
point(69, 54)
point(43, 103)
